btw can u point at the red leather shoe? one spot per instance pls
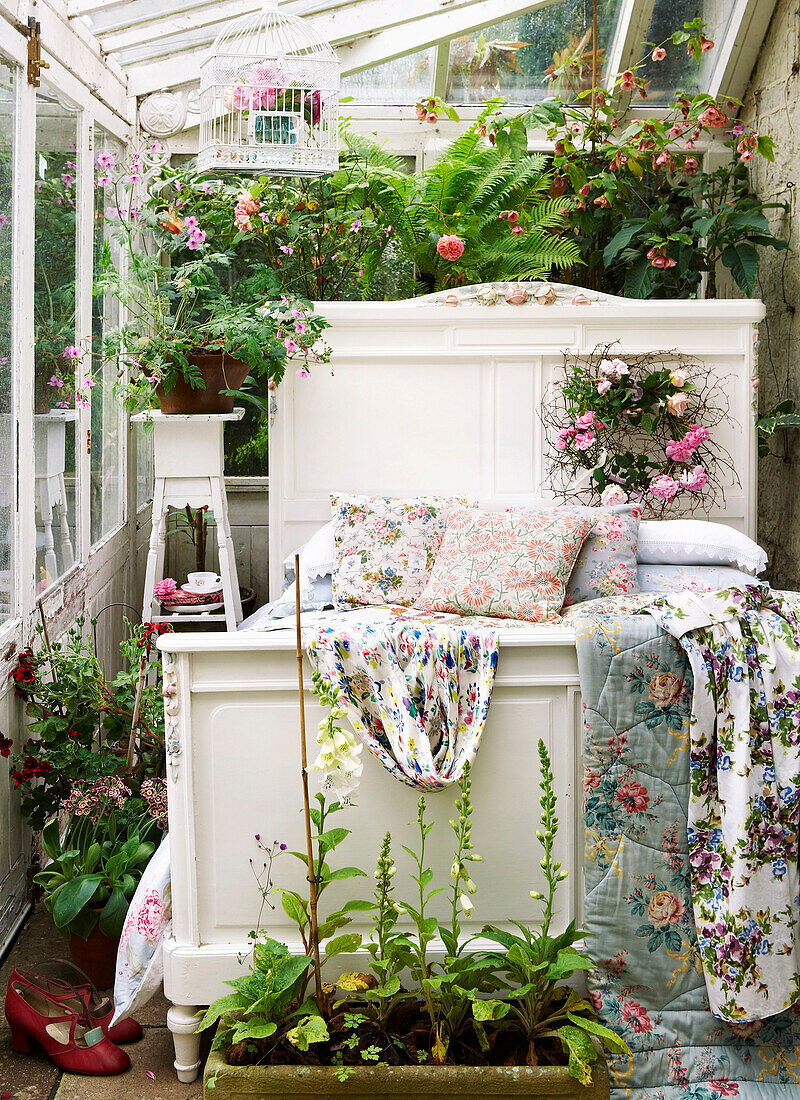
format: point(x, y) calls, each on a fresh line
point(83, 999)
point(34, 1018)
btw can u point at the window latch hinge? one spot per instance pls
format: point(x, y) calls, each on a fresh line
point(35, 63)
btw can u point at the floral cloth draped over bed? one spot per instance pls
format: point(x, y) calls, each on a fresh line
point(649, 985)
point(744, 804)
point(416, 686)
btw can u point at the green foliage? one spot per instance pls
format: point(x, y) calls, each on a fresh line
point(647, 218)
point(535, 963)
point(80, 722)
point(93, 872)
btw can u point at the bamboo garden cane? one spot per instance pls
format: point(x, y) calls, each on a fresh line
point(312, 880)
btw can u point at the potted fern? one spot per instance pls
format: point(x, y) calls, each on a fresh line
point(496, 1022)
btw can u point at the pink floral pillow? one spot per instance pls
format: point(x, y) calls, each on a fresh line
point(511, 565)
point(606, 565)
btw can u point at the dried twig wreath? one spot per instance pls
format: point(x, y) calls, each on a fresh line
point(639, 429)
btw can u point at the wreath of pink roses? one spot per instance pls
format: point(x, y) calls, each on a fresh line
point(643, 428)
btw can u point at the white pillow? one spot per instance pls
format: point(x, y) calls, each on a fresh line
point(140, 960)
point(317, 557)
point(697, 542)
point(691, 578)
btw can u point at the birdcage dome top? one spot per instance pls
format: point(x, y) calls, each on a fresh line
point(270, 33)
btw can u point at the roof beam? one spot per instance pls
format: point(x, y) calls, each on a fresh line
point(738, 52)
point(420, 33)
point(364, 34)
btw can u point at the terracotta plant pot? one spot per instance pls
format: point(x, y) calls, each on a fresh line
point(96, 956)
point(431, 1082)
point(219, 371)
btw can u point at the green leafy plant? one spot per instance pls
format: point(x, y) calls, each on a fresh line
point(81, 723)
point(478, 213)
point(95, 868)
point(537, 964)
point(648, 218)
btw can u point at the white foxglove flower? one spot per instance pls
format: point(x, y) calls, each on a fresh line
point(466, 905)
point(338, 760)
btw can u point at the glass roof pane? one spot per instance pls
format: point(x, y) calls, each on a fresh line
point(678, 71)
point(544, 52)
point(396, 82)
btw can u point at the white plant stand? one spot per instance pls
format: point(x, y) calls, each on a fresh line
point(189, 461)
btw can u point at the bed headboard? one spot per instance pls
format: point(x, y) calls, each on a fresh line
point(426, 397)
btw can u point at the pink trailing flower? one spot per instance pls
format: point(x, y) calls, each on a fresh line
point(694, 480)
point(706, 44)
point(167, 587)
point(71, 352)
point(627, 83)
point(291, 347)
point(690, 166)
point(664, 487)
point(55, 381)
point(422, 113)
point(105, 161)
point(303, 372)
point(713, 117)
point(659, 53)
point(450, 247)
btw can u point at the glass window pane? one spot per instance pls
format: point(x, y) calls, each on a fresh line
point(144, 467)
point(107, 485)
point(7, 517)
point(518, 57)
point(400, 81)
point(678, 71)
point(59, 363)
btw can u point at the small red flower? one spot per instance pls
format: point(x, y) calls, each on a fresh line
point(5, 745)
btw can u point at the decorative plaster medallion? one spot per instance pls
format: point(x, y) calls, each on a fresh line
point(162, 113)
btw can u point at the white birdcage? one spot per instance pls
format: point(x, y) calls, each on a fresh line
point(269, 98)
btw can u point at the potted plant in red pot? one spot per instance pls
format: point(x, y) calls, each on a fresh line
point(90, 778)
point(198, 334)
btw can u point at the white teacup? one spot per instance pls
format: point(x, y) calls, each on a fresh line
point(204, 581)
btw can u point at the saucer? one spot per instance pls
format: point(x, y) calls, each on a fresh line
point(200, 591)
point(195, 608)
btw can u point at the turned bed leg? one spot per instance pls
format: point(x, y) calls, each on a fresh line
point(182, 1022)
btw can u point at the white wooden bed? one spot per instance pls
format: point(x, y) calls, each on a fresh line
point(423, 398)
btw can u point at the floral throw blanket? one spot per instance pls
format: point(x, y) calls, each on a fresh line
point(744, 799)
point(416, 687)
point(637, 688)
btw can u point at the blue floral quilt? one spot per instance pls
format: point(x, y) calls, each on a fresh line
point(637, 685)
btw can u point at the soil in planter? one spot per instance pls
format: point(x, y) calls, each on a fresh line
point(406, 1041)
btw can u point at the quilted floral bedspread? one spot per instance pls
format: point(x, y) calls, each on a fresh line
point(637, 689)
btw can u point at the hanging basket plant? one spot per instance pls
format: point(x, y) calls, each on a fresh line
point(642, 429)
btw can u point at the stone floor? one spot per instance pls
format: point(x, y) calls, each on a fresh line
point(34, 1077)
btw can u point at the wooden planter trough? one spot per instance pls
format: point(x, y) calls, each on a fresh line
point(383, 1083)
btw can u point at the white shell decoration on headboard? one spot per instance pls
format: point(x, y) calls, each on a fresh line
point(516, 294)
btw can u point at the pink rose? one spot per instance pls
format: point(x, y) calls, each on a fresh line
point(633, 796)
point(584, 440)
point(585, 420)
point(613, 494)
point(664, 487)
point(636, 1017)
point(665, 909)
point(603, 386)
point(152, 916)
point(450, 248)
point(694, 480)
point(167, 587)
point(677, 403)
point(679, 450)
point(678, 377)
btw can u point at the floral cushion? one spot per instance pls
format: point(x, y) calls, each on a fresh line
point(606, 564)
point(386, 546)
point(512, 565)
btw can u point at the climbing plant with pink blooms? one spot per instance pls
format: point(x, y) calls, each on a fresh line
point(639, 429)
